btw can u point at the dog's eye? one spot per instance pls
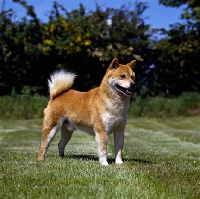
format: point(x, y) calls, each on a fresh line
point(123, 76)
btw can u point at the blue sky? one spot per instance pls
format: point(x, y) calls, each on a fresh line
point(158, 16)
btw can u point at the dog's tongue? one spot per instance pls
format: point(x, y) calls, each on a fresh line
point(128, 92)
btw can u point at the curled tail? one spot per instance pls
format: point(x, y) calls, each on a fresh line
point(59, 82)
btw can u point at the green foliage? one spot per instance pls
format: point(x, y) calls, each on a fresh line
point(28, 106)
point(86, 43)
point(123, 37)
point(188, 104)
point(173, 3)
point(22, 106)
point(68, 32)
point(177, 55)
point(79, 41)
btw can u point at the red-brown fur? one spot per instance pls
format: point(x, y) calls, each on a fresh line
point(100, 111)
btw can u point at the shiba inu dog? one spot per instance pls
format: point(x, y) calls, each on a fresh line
point(100, 111)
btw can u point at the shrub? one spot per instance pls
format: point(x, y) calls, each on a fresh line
point(184, 105)
point(22, 106)
point(27, 106)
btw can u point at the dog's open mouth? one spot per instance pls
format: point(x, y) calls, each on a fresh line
point(126, 91)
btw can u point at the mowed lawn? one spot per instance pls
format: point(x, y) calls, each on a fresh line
point(161, 160)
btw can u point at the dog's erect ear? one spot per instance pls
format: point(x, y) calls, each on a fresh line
point(114, 64)
point(132, 64)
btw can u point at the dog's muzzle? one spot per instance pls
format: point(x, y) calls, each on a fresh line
point(133, 86)
point(127, 91)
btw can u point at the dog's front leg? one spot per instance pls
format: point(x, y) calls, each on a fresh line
point(101, 140)
point(118, 143)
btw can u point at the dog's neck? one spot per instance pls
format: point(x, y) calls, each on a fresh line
point(112, 98)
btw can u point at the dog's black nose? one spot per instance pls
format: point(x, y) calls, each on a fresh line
point(133, 85)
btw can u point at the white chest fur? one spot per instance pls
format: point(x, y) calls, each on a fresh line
point(115, 115)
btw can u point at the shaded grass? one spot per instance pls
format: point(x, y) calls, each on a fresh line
point(161, 160)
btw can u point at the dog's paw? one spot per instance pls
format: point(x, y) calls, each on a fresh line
point(118, 161)
point(104, 163)
point(41, 157)
point(103, 160)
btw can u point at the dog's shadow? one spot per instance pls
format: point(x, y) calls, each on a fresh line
point(110, 160)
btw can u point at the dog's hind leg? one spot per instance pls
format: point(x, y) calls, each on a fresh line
point(47, 136)
point(66, 135)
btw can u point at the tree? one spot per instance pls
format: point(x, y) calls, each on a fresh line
point(82, 42)
point(177, 56)
point(125, 37)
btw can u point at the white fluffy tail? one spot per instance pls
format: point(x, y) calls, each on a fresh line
point(59, 82)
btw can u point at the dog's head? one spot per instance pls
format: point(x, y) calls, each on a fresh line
point(121, 77)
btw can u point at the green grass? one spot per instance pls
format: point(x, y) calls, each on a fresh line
point(161, 160)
